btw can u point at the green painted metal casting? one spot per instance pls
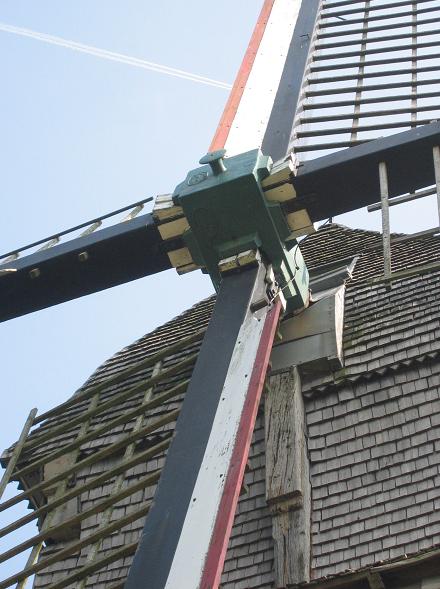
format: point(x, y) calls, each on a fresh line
point(228, 214)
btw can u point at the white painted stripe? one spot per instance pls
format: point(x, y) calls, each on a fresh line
point(250, 122)
point(189, 559)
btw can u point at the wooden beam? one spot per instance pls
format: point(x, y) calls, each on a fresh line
point(287, 478)
point(375, 580)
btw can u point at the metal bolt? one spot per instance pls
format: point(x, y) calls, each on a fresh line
point(259, 304)
point(83, 256)
point(34, 273)
point(215, 160)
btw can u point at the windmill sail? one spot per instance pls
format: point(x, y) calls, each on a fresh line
point(314, 73)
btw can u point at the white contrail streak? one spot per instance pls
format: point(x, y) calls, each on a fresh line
point(112, 56)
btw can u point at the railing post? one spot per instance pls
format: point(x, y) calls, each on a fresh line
point(436, 156)
point(386, 235)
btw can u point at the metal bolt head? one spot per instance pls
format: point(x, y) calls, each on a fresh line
point(34, 273)
point(197, 178)
point(83, 256)
point(215, 160)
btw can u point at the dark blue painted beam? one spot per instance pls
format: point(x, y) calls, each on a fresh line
point(187, 529)
point(349, 179)
point(106, 258)
point(278, 134)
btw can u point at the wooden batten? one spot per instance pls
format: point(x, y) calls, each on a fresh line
point(281, 172)
point(164, 208)
point(287, 478)
point(277, 187)
point(180, 257)
point(186, 269)
point(280, 193)
point(300, 223)
point(173, 229)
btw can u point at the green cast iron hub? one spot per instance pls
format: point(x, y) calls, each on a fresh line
point(228, 214)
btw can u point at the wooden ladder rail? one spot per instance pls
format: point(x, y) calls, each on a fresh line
point(119, 481)
point(16, 453)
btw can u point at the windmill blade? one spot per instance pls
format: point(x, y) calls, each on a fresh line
point(348, 179)
point(94, 261)
point(182, 543)
point(187, 530)
point(320, 76)
point(262, 104)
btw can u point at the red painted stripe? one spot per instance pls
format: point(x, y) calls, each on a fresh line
point(231, 108)
point(225, 517)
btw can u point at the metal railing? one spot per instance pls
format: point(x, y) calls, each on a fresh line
point(88, 226)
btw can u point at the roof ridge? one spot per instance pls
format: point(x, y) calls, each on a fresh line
point(325, 226)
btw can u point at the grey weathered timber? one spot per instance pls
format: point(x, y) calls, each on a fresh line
point(436, 158)
point(375, 581)
point(76, 491)
point(76, 546)
point(156, 402)
point(129, 452)
point(313, 339)
point(124, 374)
point(287, 478)
point(92, 411)
point(383, 180)
point(17, 450)
point(96, 457)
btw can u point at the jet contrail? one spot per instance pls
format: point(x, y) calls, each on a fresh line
point(112, 56)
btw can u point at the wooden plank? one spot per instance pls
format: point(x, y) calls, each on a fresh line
point(156, 402)
point(76, 546)
point(93, 458)
point(137, 459)
point(225, 518)
point(122, 375)
point(115, 400)
point(241, 80)
point(187, 529)
point(284, 422)
point(173, 229)
point(287, 478)
point(106, 516)
point(17, 451)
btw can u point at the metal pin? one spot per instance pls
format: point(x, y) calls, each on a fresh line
point(215, 161)
point(386, 236)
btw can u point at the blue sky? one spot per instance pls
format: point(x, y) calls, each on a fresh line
point(80, 136)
